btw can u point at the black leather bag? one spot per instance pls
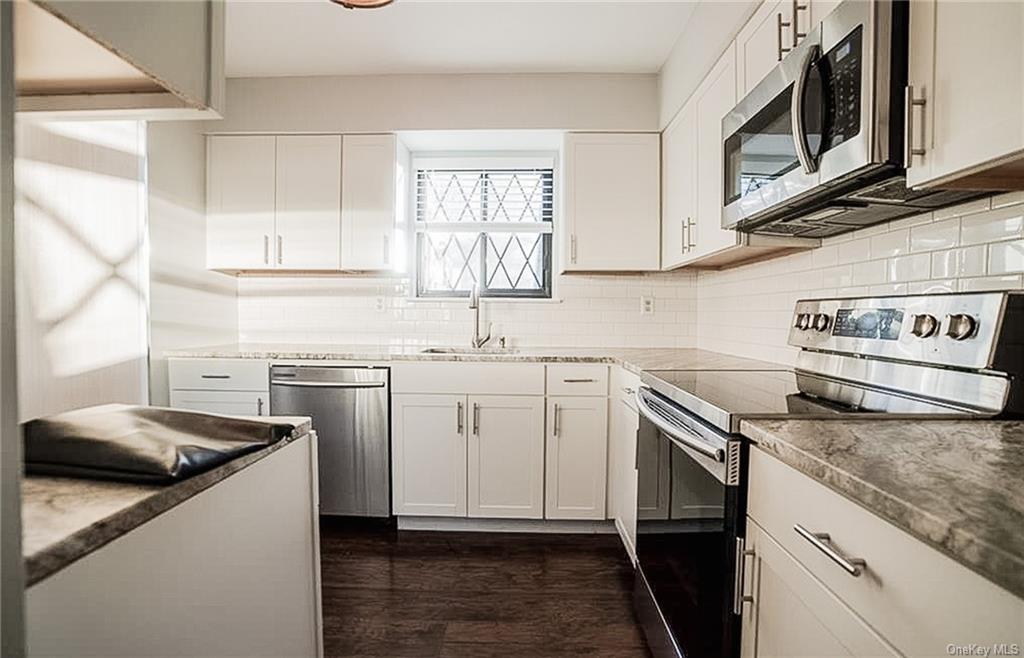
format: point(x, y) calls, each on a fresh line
point(148, 445)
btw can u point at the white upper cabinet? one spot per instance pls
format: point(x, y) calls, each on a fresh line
point(714, 98)
point(612, 202)
point(240, 202)
point(967, 72)
point(760, 44)
point(368, 196)
point(308, 206)
point(678, 186)
point(506, 456)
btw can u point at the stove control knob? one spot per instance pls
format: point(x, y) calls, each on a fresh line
point(925, 325)
point(803, 321)
point(821, 321)
point(960, 326)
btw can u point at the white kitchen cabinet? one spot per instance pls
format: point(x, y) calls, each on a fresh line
point(577, 452)
point(240, 202)
point(761, 44)
point(428, 443)
point(961, 53)
point(236, 387)
point(612, 202)
point(231, 403)
point(714, 98)
point(506, 456)
point(368, 198)
point(623, 424)
point(793, 614)
point(308, 202)
point(678, 186)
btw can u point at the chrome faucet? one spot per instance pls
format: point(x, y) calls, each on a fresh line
point(474, 305)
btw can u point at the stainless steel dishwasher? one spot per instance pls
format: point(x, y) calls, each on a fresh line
point(349, 408)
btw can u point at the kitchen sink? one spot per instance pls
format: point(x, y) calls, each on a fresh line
point(469, 350)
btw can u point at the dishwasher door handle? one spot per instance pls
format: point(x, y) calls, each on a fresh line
point(299, 384)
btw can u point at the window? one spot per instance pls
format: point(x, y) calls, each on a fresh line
point(485, 222)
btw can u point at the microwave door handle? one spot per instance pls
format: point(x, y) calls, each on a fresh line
point(796, 112)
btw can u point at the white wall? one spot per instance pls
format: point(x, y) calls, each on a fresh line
point(386, 103)
point(593, 311)
point(709, 31)
point(82, 279)
point(189, 305)
point(976, 246)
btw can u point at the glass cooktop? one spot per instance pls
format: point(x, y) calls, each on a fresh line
point(722, 397)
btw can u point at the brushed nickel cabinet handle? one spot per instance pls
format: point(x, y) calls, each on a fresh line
point(690, 225)
point(215, 376)
point(554, 422)
point(458, 417)
point(909, 103)
point(572, 247)
point(579, 381)
point(739, 577)
point(266, 249)
point(476, 419)
point(779, 24)
point(259, 406)
point(280, 250)
point(823, 542)
point(797, 34)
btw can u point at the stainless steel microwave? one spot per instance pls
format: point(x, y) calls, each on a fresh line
point(817, 147)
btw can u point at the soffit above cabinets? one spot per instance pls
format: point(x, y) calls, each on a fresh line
point(51, 57)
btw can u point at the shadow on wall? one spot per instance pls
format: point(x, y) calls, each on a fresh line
point(81, 264)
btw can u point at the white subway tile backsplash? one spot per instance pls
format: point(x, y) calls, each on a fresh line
point(854, 251)
point(968, 208)
point(910, 268)
point(993, 225)
point(937, 235)
point(890, 244)
point(1012, 282)
point(1008, 199)
point(869, 273)
point(1006, 257)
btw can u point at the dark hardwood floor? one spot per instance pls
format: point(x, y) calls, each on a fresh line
point(394, 594)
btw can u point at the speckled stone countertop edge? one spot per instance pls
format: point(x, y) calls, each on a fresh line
point(992, 562)
point(56, 556)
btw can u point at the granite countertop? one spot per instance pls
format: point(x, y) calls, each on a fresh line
point(956, 485)
point(64, 519)
point(633, 359)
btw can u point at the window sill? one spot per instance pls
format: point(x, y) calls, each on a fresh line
point(484, 300)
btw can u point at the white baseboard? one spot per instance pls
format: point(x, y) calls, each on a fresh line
point(456, 524)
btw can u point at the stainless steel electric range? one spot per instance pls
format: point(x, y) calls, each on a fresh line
point(955, 355)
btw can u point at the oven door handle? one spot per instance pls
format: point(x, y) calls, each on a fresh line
point(796, 112)
point(678, 433)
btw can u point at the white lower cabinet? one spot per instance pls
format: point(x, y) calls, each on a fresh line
point(231, 403)
point(506, 456)
point(428, 443)
point(623, 424)
point(577, 446)
point(793, 614)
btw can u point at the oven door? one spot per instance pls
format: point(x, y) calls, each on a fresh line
point(690, 510)
point(821, 117)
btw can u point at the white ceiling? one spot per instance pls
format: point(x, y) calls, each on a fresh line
point(316, 37)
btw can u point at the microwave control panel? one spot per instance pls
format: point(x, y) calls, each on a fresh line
point(842, 69)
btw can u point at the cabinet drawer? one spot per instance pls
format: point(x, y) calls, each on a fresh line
point(478, 378)
point(578, 379)
point(917, 598)
point(218, 374)
point(231, 403)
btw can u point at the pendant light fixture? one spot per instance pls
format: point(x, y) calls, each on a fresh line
point(362, 4)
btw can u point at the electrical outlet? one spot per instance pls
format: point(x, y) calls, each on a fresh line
point(379, 305)
point(646, 305)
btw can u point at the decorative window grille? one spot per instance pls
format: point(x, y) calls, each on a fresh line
point(483, 225)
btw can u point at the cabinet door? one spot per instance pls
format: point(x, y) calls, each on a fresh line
point(428, 437)
point(793, 614)
point(759, 45)
point(612, 202)
point(961, 52)
point(239, 202)
point(678, 186)
point(368, 201)
point(577, 454)
point(231, 403)
point(506, 456)
point(715, 97)
point(308, 202)
point(623, 422)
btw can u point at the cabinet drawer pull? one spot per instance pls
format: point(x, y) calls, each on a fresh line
point(476, 418)
point(908, 121)
point(588, 380)
point(259, 406)
point(739, 597)
point(215, 376)
point(280, 250)
point(554, 422)
point(266, 250)
point(823, 542)
point(458, 417)
point(690, 225)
